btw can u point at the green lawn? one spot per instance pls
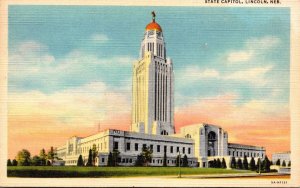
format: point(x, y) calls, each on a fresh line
point(72, 171)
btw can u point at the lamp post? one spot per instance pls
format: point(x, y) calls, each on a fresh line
point(179, 164)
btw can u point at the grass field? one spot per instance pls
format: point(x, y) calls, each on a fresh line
point(65, 171)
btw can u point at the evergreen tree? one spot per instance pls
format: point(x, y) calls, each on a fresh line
point(165, 159)
point(185, 162)
point(115, 155)
point(258, 166)
point(233, 163)
point(215, 163)
point(147, 156)
point(266, 165)
point(178, 160)
point(252, 164)
point(14, 162)
point(9, 162)
point(110, 159)
point(90, 160)
point(278, 162)
point(245, 163)
point(223, 164)
point(289, 164)
point(80, 161)
point(283, 163)
point(218, 163)
point(94, 154)
point(239, 164)
point(43, 157)
point(139, 160)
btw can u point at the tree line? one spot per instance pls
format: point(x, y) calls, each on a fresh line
point(24, 158)
point(217, 163)
point(262, 166)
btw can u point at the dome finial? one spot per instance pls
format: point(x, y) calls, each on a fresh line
point(153, 16)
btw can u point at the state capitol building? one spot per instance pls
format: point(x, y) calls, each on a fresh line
point(153, 120)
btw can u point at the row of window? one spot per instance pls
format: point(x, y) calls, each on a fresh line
point(71, 162)
point(160, 50)
point(160, 96)
point(139, 115)
point(242, 154)
point(162, 68)
point(158, 148)
point(157, 161)
point(86, 149)
point(150, 47)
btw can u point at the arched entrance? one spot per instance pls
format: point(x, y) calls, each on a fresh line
point(211, 144)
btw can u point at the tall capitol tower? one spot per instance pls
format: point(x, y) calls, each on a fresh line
point(153, 90)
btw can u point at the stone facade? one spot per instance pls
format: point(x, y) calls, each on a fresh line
point(152, 86)
point(201, 143)
point(129, 144)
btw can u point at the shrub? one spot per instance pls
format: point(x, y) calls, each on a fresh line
point(80, 161)
point(165, 159)
point(14, 162)
point(240, 164)
point(219, 165)
point(9, 162)
point(245, 163)
point(139, 161)
point(283, 163)
point(185, 162)
point(110, 159)
point(252, 164)
point(233, 163)
point(223, 164)
point(90, 160)
point(266, 165)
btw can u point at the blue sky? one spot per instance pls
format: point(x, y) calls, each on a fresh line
point(198, 39)
point(70, 68)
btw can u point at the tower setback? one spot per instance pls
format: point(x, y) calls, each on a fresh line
point(153, 85)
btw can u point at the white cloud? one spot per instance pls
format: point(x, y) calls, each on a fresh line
point(252, 48)
point(239, 56)
point(28, 57)
point(100, 38)
point(254, 75)
point(194, 73)
point(78, 106)
point(31, 61)
point(263, 43)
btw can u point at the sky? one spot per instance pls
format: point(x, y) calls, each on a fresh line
point(70, 69)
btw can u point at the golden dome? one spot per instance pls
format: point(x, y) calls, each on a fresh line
point(153, 26)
